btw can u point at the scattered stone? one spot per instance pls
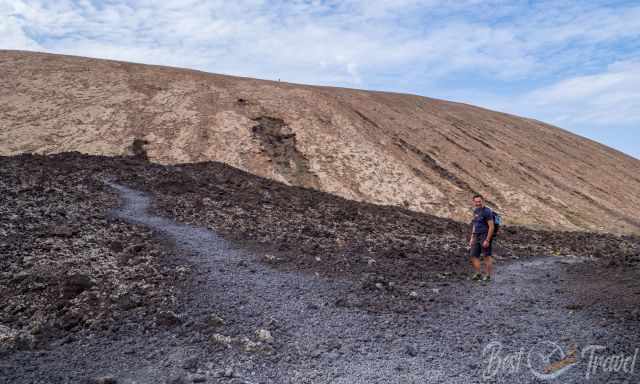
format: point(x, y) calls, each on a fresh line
point(60, 231)
point(214, 321)
point(411, 350)
point(74, 284)
point(115, 246)
point(270, 258)
point(342, 302)
point(219, 339)
point(264, 335)
point(400, 368)
point(191, 363)
point(183, 271)
point(179, 378)
point(129, 300)
point(228, 372)
point(251, 346)
point(20, 276)
point(167, 318)
point(333, 345)
point(15, 340)
point(70, 319)
point(105, 380)
point(135, 249)
point(332, 355)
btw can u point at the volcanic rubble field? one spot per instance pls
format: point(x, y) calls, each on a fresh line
point(68, 265)
point(65, 264)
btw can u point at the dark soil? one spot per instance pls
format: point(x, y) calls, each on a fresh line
point(350, 292)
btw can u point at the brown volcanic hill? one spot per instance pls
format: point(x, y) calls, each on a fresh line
point(425, 154)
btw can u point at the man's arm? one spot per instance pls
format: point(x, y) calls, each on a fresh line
point(489, 217)
point(471, 237)
point(491, 229)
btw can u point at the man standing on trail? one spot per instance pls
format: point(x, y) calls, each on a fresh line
point(482, 230)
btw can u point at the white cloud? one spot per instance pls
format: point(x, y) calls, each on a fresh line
point(560, 25)
point(12, 34)
point(609, 97)
point(313, 41)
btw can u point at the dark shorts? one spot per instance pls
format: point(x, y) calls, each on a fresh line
point(476, 246)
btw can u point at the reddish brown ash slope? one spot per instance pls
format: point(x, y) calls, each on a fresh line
point(377, 147)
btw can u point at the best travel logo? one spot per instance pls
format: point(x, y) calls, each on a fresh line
point(548, 360)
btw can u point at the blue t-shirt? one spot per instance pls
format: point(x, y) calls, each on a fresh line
point(481, 216)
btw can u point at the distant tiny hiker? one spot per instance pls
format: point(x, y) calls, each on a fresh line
point(483, 230)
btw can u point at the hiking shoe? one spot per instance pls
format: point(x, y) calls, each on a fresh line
point(476, 277)
point(486, 278)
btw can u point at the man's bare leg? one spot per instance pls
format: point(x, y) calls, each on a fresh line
point(475, 262)
point(488, 265)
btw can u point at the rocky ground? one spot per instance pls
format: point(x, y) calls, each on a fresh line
point(271, 283)
point(66, 265)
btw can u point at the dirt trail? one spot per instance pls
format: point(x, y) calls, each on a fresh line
point(316, 341)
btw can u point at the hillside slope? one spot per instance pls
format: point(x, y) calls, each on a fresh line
point(425, 154)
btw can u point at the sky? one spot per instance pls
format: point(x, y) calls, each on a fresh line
point(574, 64)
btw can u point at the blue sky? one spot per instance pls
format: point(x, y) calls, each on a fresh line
point(573, 64)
